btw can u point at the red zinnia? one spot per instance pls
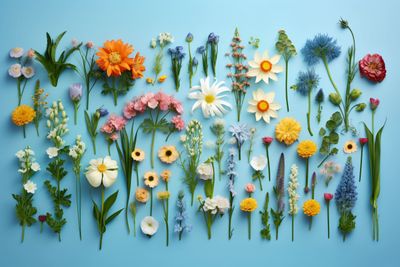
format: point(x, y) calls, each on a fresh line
point(267, 140)
point(328, 196)
point(363, 140)
point(373, 67)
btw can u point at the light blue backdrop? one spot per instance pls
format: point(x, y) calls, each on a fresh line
point(24, 24)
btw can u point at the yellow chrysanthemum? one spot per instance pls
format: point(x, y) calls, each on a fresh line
point(287, 131)
point(163, 195)
point(248, 204)
point(350, 147)
point(138, 154)
point(168, 154)
point(151, 179)
point(23, 115)
point(165, 175)
point(306, 149)
point(311, 207)
point(142, 195)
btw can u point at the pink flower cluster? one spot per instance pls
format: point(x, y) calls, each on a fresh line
point(113, 126)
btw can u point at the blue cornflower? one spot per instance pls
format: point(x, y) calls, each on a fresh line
point(201, 50)
point(241, 132)
point(307, 81)
point(346, 194)
point(321, 47)
point(102, 111)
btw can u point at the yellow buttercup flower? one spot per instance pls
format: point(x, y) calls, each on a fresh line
point(138, 154)
point(311, 207)
point(287, 131)
point(165, 175)
point(306, 149)
point(168, 154)
point(248, 204)
point(162, 78)
point(350, 147)
point(163, 195)
point(151, 179)
point(141, 195)
point(23, 115)
point(149, 80)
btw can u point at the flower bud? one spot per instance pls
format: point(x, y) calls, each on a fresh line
point(360, 107)
point(335, 99)
point(374, 103)
point(153, 43)
point(189, 37)
point(64, 114)
point(56, 121)
point(48, 124)
point(355, 93)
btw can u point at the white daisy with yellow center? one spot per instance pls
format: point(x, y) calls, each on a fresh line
point(264, 67)
point(102, 171)
point(210, 98)
point(263, 105)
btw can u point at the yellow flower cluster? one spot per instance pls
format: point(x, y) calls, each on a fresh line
point(306, 149)
point(311, 207)
point(287, 131)
point(23, 115)
point(165, 175)
point(142, 195)
point(248, 204)
point(163, 195)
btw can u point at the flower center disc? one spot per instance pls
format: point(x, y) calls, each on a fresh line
point(209, 99)
point(168, 153)
point(102, 168)
point(262, 106)
point(114, 57)
point(265, 66)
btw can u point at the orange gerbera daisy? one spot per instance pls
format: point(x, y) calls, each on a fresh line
point(114, 57)
point(137, 68)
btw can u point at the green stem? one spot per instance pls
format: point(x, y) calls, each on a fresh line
point(286, 84)
point(153, 136)
point(24, 131)
point(101, 218)
point(306, 185)
point(292, 227)
point(269, 167)
point(249, 225)
point(76, 106)
point(19, 91)
point(259, 180)
point(309, 113)
point(361, 162)
point(23, 232)
point(324, 60)
point(78, 203)
point(137, 172)
point(109, 148)
point(327, 214)
point(151, 201)
point(323, 160)
point(240, 152)
point(93, 144)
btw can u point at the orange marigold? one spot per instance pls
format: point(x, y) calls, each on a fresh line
point(137, 68)
point(23, 115)
point(114, 57)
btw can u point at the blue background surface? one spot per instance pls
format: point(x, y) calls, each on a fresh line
point(24, 24)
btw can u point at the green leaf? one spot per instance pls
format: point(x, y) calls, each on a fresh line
point(109, 202)
point(331, 125)
point(333, 138)
point(322, 131)
point(112, 216)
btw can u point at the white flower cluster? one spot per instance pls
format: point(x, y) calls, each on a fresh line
point(165, 38)
point(292, 190)
point(193, 138)
point(76, 151)
point(216, 205)
point(205, 171)
point(57, 123)
point(27, 161)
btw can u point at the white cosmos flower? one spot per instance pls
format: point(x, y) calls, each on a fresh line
point(102, 171)
point(30, 187)
point(15, 70)
point(264, 68)
point(258, 163)
point(35, 167)
point(16, 52)
point(222, 203)
point(263, 105)
point(149, 225)
point(52, 152)
point(209, 98)
point(28, 72)
point(205, 171)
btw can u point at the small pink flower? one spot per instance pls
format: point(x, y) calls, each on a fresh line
point(89, 44)
point(178, 122)
point(113, 125)
point(267, 140)
point(129, 110)
point(250, 188)
point(31, 53)
point(146, 98)
point(374, 103)
point(177, 105)
point(139, 106)
point(113, 136)
point(153, 103)
point(363, 140)
point(328, 196)
point(74, 42)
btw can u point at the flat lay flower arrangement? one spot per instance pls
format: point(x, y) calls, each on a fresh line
point(174, 117)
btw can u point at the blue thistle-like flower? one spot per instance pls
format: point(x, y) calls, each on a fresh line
point(321, 47)
point(346, 194)
point(240, 132)
point(307, 81)
point(181, 217)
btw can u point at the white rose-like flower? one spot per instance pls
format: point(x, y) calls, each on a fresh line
point(30, 187)
point(102, 171)
point(52, 152)
point(258, 163)
point(28, 72)
point(35, 167)
point(15, 70)
point(20, 154)
point(222, 203)
point(16, 52)
point(210, 205)
point(205, 171)
point(149, 225)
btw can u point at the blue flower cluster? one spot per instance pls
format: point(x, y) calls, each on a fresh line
point(321, 47)
point(213, 38)
point(240, 132)
point(307, 81)
point(181, 217)
point(231, 172)
point(346, 194)
point(177, 53)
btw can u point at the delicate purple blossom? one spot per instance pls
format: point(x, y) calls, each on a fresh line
point(75, 91)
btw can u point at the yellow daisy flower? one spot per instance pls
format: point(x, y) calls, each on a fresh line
point(350, 147)
point(138, 154)
point(151, 179)
point(168, 154)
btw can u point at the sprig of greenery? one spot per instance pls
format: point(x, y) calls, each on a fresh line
point(279, 191)
point(55, 67)
point(330, 136)
point(218, 129)
point(88, 72)
point(24, 210)
point(258, 175)
point(347, 223)
point(265, 231)
point(285, 47)
point(92, 123)
point(118, 86)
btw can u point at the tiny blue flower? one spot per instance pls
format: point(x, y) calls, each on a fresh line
point(307, 81)
point(195, 62)
point(102, 111)
point(201, 49)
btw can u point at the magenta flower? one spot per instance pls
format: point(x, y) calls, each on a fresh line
point(374, 103)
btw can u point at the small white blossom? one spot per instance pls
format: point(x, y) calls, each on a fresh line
point(30, 187)
point(52, 152)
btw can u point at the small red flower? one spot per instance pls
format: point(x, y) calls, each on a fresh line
point(328, 196)
point(363, 140)
point(267, 140)
point(373, 67)
point(373, 103)
point(42, 218)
